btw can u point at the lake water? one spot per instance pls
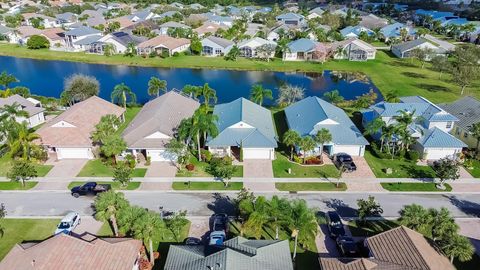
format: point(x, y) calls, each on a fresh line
point(46, 78)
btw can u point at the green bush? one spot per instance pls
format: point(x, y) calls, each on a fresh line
point(36, 42)
point(413, 155)
point(176, 54)
point(130, 160)
point(206, 155)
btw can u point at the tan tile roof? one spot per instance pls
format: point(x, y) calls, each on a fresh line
point(84, 116)
point(407, 247)
point(124, 21)
point(164, 41)
point(27, 31)
point(53, 33)
point(68, 252)
point(209, 27)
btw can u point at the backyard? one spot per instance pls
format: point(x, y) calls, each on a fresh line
point(401, 168)
point(97, 168)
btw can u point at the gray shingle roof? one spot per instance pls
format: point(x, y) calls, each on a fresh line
point(26, 105)
point(163, 114)
point(409, 45)
point(305, 115)
point(301, 45)
point(436, 138)
point(220, 41)
point(82, 31)
point(237, 254)
point(467, 110)
point(260, 135)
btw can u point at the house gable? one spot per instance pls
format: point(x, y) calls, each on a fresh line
point(240, 124)
point(63, 124)
point(157, 135)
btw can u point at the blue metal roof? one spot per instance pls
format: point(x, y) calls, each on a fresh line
point(435, 14)
point(289, 16)
point(436, 138)
point(261, 134)
point(355, 30)
point(458, 21)
point(393, 30)
point(301, 45)
point(305, 117)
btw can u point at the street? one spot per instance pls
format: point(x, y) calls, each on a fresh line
point(56, 203)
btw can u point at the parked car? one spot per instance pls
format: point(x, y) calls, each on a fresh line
point(68, 223)
point(192, 241)
point(345, 160)
point(217, 238)
point(89, 189)
point(335, 225)
point(347, 246)
point(220, 222)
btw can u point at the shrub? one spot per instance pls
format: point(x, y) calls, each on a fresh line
point(206, 155)
point(176, 54)
point(413, 155)
point(297, 159)
point(153, 54)
point(130, 160)
point(36, 42)
point(190, 167)
point(227, 160)
point(313, 161)
point(165, 54)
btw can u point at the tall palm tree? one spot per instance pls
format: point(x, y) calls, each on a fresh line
point(22, 141)
point(457, 246)
point(106, 127)
point(155, 85)
point(374, 127)
point(128, 216)
point(208, 125)
point(414, 216)
point(306, 144)
point(323, 136)
point(475, 132)
point(333, 97)
point(303, 224)
point(291, 138)
point(258, 93)
point(278, 209)
point(12, 112)
point(107, 206)
point(442, 223)
point(120, 92)
point(192, 90)
point(208, 94)
point(108, 49)
point(258, 218)
point(146, 228)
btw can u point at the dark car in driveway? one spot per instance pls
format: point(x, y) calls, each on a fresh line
point(89, 189)
point(220, 222)
point(346, 161)
point(334, 224)
point(347, 246)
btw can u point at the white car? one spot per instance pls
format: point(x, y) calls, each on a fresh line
point(68, 223)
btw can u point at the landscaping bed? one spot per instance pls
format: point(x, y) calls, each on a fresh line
point(401, 168)
point(96, 168)
point(281, 165)
point(199, 169)
point(411, 187)
point(206, 186)
point(115, 185)
point(310, 186)
point(14, 185)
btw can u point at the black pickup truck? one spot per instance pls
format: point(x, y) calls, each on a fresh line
point(89, 189)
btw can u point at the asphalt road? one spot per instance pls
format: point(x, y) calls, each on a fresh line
point(204, 204)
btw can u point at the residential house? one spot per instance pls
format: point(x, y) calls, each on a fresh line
point(177, 5)
point(220, 20)
point(246, 127)
point(434, 15)
point(69, 134)
point(305, 49)
point(56, 37)
point(372, 21)
point(315, 13)
point(442, 44)
point(156, 124)
point(405, 49)
point(163, 44)
point(119, 40)
point(355, 31)
point(216, 46)
point(236, 253)
point(394, 31)
point(209, 28)
point(124, 22)
point(64, 251)
point(291, 18)
point(94, 18)
point(353, 49)
point(25, 32)
point(431, 127)
point(287, 29)
point(312, 114)
point(45, 21)
point(248, 48)
point(142, 15)
point(80, 39)
point(196, 6)
point(31, 106)
point(8, 34)
point(163, 30)
point(467, 110)
point(398, 248)
point(66, 19)
point(253, 29)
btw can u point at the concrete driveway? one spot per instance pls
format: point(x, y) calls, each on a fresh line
point(66, 168)
point(363, 170)
point(88, 224)
point(257, 168)
point(161, 169)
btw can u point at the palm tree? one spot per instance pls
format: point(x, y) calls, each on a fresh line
point(333, 97)
point(414, 216)
point(128, 216)
point(288, 94)
point(257, 94)
point(107, 206)
point(208, 93)
point(475, 132)
point(131, 50)
point(306, 144)
point(120, 92)
point(442, 223)
point(155, 85)
point(146, 228)
point(258, 218)
point(323, 136)
point(303, 224)
point(108, 49)
point(291, 138)
point(106, 127)
point(12, 112)
point(374, 127)
point(278, 209)
point(7, 79)
point(457, 246)
point(22, 140)
point(207, 124)
point(192, 90)
point(392, 97)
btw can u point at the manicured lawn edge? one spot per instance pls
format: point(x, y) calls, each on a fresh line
point(412, 187)
point(206, 186)
point(96, 168)
point(17, 185)
point(115, 185)
point(310, 186)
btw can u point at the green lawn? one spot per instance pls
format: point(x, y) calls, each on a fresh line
point(387, 72)
point(96, 168)
point(475, 169)
point(200, 167)
point(281, 166)
point(115, 185)
point(406, 187)
point(17, 185)
point(19, 230)
point(5, 165)
point(206, 186)
point(402, 168)
point(310, 186)
point(371, 228)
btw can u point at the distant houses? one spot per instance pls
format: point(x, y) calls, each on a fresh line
point(31, 106)
point(406, 49)
point(216, 46)
point(163, 45)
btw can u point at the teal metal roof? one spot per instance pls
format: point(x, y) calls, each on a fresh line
point(436, 138)
point(261, 134)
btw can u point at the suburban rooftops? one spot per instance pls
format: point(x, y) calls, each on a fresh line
point(467, 110)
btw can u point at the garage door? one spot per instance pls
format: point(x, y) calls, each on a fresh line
point(257, 153)
point(160, 155)
point(353, 150)
point(74, 153)
point(434, 154)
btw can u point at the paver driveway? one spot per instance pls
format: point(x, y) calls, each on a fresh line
point(161, 169)
point(257, 168)
point(363, 170)
point(66, 168)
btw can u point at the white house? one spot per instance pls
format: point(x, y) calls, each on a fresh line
point(248, 48)
point(45, 21)
point(163, 43)
point(353, 50)
point(216, 46)
point(32, 106)
point(80, 39)
point(404, 50)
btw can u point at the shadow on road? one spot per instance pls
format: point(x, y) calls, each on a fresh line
point(343, 209)
point(467, 207)
point(222, 204)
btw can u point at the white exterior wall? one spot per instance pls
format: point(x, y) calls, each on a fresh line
point(353, 150)
point(180, 49)
point(160, 155)
point(258, 153)
point(438, 153)
point(441, 125)
point(36, 120)
point(220, 151)
point(74, 153)
point(119, 48)
point(290, 56)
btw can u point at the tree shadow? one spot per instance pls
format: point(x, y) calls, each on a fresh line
point(343, 209)
point(414, 75)
point(468, 207)
point(417, 172)
point(433, 88)
point(222, 204)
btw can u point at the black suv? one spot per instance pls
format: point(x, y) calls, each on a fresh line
point(347, 246)
point(344, 160)
point(220, 222)
point(335, 225)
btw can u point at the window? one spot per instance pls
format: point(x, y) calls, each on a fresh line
point(457, 131)
point(449, 124)
point(218, 51)
point(207, 50)
point(465, 135)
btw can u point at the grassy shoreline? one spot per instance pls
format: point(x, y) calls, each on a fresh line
point(387, 73)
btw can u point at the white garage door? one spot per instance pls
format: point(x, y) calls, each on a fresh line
point(436, 153)
point(74, 153)
point(353, 150)
point(257, 153)
point(160, 155)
